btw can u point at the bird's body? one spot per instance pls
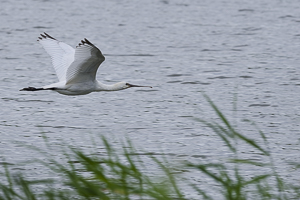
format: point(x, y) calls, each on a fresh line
point(76, 68)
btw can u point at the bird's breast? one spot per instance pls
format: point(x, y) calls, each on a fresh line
point(78, 89)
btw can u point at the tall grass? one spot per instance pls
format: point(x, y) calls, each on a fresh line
point(233, 185)
point(90, 176)
point(123, 175)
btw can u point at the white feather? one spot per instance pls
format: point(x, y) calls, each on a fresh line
point(76, 68)
point(62, 55)
point(86, 63)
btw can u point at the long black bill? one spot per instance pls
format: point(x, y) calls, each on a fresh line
point(131, 85)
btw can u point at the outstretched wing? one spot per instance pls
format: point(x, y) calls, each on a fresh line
point(62, 54)
point(86, 63)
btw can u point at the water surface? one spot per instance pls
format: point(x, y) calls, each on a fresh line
point(247, 50)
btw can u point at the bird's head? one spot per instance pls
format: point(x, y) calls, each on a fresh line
point(124, 85)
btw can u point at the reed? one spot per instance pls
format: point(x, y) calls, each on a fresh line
point(232, 182)
point(123, 175)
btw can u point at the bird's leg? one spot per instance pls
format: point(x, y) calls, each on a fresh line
point(35, 89)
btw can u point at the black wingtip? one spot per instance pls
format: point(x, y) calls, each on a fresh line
point(46, 35)
point(88, 42)
point(85, 41)
point(49, 36)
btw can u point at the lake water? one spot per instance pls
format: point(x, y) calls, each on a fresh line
point(248, 50)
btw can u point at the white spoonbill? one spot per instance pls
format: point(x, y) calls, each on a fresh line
point(76, 68)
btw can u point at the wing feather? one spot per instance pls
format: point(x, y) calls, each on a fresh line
point(86, 63)
point(62, 55)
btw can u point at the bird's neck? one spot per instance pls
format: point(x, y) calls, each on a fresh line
point(104, 87)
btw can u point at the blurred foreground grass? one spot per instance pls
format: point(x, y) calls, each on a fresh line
point(122, 175)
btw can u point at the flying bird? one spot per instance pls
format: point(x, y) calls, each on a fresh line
point(76, 68)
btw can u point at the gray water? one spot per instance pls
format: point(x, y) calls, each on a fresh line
point(248, 50)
